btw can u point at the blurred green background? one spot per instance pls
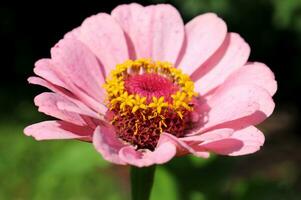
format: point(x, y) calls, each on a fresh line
point(73, 170)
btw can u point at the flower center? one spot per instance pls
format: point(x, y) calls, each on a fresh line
point(148, 98)
point(151, 85)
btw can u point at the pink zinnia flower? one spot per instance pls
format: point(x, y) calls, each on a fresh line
point(143, 87)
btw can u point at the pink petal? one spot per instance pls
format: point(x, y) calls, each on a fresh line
point(96, 105)
point(204, 35)
point(52, 72)
point(65, 76)
point(78, 67)
point(233, 54)
point(164, 152)
point(107, 144)
point(49, 130)
point(45, 69)
point(195, 141)
point(183, 148)
point(104, 36)
point(253, 73)
point(101, 109)
point(237, 107)
point(47, 103)
point(69, 107)
point(241, 142)
point(214, 134)
point(155, 32)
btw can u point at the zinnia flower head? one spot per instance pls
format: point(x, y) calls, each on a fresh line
point(142, 87)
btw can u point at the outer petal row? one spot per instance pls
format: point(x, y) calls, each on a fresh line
point(49, 130)
point(155, 32)
point(227, 141)
point(232, 54)
point(104, 36)
point(220, 141)
point(237, 107)
point(204, 35)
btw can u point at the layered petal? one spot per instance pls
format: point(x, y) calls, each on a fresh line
point(184, 148)
point(85, 109)
point(155, 32)
point(45, 69)
point(237, 107)
point(204, 35)
point(104, 36)
point(239, 142)
point(164, 152)
point(232, 55)
point(48, 104)
point(49, 130)
point(212, 135)
point(78, 68)
point(107, 144)
point(253, 73)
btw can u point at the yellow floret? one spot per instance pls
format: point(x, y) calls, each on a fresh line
point(158, 104)
point(139, 103)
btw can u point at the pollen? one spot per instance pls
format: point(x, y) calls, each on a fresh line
point(148, 98)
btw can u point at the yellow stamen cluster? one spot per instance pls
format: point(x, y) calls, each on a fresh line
point(117, 95)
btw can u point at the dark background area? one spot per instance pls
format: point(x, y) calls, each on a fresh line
point(32, 170)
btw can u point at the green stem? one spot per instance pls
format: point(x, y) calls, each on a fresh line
point(142, 182)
